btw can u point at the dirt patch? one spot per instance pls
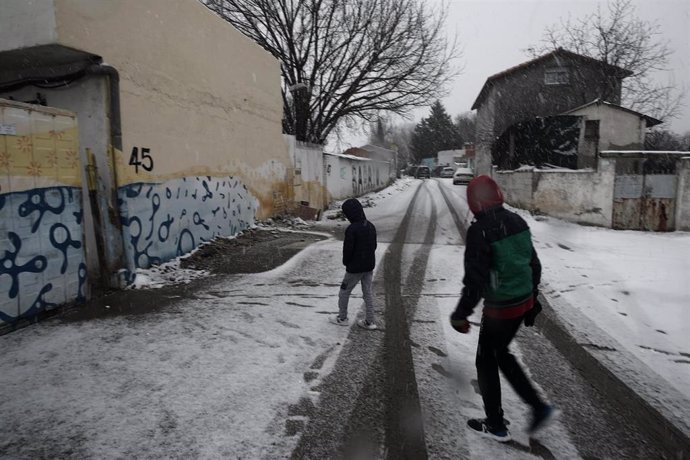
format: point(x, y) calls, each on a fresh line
point(252, 252)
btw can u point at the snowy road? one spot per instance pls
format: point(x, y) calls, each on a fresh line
point(248, 366)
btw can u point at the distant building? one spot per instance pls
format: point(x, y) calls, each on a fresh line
point(379, 153)
point(457, 158)
point(548, 85)
point(374, 152)
point(608, 126)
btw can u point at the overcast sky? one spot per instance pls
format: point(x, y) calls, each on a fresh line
point(493, 35)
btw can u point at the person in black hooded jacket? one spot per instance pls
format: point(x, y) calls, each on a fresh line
point(359, 258)
point(502, 267)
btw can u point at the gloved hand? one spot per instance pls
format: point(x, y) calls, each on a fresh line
point(460, 325)
point(531, 315)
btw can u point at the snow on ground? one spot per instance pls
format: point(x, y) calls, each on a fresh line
point(633, 285)
point(165, 274)
point(217, 375)
point(214, 376)
point(440, 296)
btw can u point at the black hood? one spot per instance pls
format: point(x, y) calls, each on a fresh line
point(353, 210)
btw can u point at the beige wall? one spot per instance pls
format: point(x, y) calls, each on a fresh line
point(348, 176)
point(198, 97)
point(202, 97)
point(618, 129)
point(576, 196)
point(683, 195)
point(486, 115)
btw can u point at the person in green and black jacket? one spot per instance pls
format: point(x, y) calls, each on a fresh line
point(502, 267)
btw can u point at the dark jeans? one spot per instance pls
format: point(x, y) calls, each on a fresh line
point(495, 336)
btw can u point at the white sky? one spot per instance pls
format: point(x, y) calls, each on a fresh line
point(493, 35)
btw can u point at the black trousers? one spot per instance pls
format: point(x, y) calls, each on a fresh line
point(495, 336)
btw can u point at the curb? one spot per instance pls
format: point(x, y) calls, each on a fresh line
point(663, 425)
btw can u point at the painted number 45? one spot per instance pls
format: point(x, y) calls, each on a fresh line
point(145, 160)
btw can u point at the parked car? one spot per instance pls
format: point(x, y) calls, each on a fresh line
point(422, 172)
point(463, 176)
point(447, 172)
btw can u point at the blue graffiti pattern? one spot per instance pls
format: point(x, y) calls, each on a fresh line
point(203, 208)
point(41, 251)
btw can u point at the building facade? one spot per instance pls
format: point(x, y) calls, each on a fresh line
point(180, 112)
point(545, 86)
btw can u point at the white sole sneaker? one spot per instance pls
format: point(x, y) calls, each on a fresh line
point(337, 321)
point(479, 426)
point(368, 326)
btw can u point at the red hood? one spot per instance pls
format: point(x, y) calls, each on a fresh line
point(483, 193)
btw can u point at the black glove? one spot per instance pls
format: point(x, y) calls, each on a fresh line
point(460, 325)
point(531, 315)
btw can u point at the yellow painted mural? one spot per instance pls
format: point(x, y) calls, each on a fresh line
point(37, 148)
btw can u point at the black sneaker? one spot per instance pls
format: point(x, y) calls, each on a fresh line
point(542, 418)
point(497, 433)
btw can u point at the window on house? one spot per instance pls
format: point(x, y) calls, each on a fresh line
point(556, 76)
point(592, 129)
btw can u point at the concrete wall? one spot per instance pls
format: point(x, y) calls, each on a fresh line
point(27, 23)
point(41, 246)
point(484, 126)
point(618, 129)
point(683, 195)
point(308, 181)
point(201, 113)
point(211, 104)
point(349, 176)
point(517, 187)
point(577, 196)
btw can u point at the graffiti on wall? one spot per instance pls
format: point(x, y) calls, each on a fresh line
point(42, 261)
point(363, 178)
point(41, 255)
point(163, 221)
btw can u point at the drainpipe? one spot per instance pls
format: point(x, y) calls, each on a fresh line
point(115, 116)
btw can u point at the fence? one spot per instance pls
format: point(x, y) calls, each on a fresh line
point(610, 196)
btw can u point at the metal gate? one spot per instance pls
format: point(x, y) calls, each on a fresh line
point(644, 202)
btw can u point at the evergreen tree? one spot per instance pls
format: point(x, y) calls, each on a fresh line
point(466, 126)
point(435, 133)
point(378, 134)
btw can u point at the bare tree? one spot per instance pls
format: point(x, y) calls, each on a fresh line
point(661, 139)
point(377, 132)
point(617, 37)
point(399, 138)
point(342, 59)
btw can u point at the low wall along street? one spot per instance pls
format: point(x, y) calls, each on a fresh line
point(608, 196)
point(348, 176)
point(583, 196)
